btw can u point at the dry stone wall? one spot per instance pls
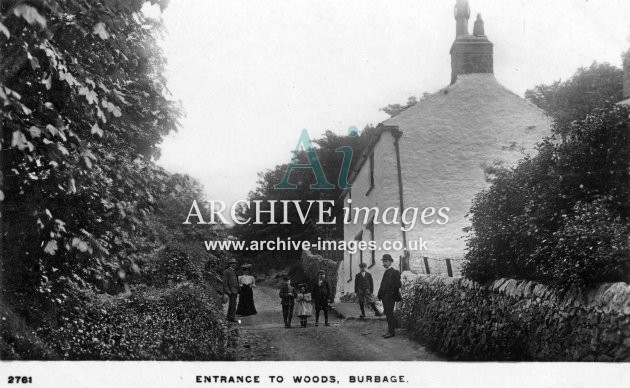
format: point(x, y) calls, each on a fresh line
point(517, 320)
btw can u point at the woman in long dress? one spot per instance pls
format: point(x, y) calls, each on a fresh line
point(304, 305)
point(246, 298)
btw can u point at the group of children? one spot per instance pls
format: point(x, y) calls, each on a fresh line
point(301, 302)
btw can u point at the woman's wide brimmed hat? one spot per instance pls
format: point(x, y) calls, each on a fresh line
point(302, 285)
point(232, 261)
point(246, 266)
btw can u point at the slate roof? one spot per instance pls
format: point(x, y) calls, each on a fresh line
point(475, 107)
point(448, 137)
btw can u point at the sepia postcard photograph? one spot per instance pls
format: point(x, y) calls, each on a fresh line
point(408, 193)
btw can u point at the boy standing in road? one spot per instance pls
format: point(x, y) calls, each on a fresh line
point(364, 288)
point(287, 297)
point(321, 297)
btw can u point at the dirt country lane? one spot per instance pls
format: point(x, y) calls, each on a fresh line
point(264, 337)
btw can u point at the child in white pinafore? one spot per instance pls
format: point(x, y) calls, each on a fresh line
point(304, 306)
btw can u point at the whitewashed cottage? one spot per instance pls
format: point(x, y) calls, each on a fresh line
point(431, 155)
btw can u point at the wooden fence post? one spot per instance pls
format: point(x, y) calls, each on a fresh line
point(426, 265)
point(405, 264)
point(449, 269)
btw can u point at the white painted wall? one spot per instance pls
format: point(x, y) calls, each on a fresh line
point(446, 139)
point(383, 195)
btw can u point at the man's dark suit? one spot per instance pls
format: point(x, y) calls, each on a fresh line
point(321, 296)
point(390, 285)
point(287, 298)
point(230, 287)
point(363, 283)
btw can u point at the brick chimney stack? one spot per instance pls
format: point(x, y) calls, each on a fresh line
point(470, 53)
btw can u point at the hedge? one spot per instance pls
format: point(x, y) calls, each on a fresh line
point(311, 264)
point(561, 216)
point(180, 323)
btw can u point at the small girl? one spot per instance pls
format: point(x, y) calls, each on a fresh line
point(304, 306)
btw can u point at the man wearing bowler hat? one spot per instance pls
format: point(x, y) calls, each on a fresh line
point(389, 292)
point(230, 288)
point(364, 288)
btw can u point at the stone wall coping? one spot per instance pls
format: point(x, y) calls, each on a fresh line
point(608, 297)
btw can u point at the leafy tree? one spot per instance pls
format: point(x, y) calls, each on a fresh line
point(84, 107)
point(171, 249)
point(597, 86)
point(173, 204)
point(560, 217)
point(84, 209)
point(331, 162)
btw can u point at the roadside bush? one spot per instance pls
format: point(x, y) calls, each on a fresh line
point(591, 246)
point(177, 263)
point(560, 217)
point(298, 276)
point(311, 264)
point(17, 340)
point(180, 323)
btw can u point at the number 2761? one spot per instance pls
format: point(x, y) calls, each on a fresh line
point(20, 379)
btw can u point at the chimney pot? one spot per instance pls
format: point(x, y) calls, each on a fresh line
point(478, 29)
point(462, 13)
point(470, 53)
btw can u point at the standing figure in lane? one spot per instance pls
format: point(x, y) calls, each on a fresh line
point(304, 306)
point(321, 297)
point(246, 299)
point(389, 293)
point(230, 288)
point(287, 299)
point(364, 288)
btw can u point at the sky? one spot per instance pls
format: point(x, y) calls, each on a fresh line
point(251, 75)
